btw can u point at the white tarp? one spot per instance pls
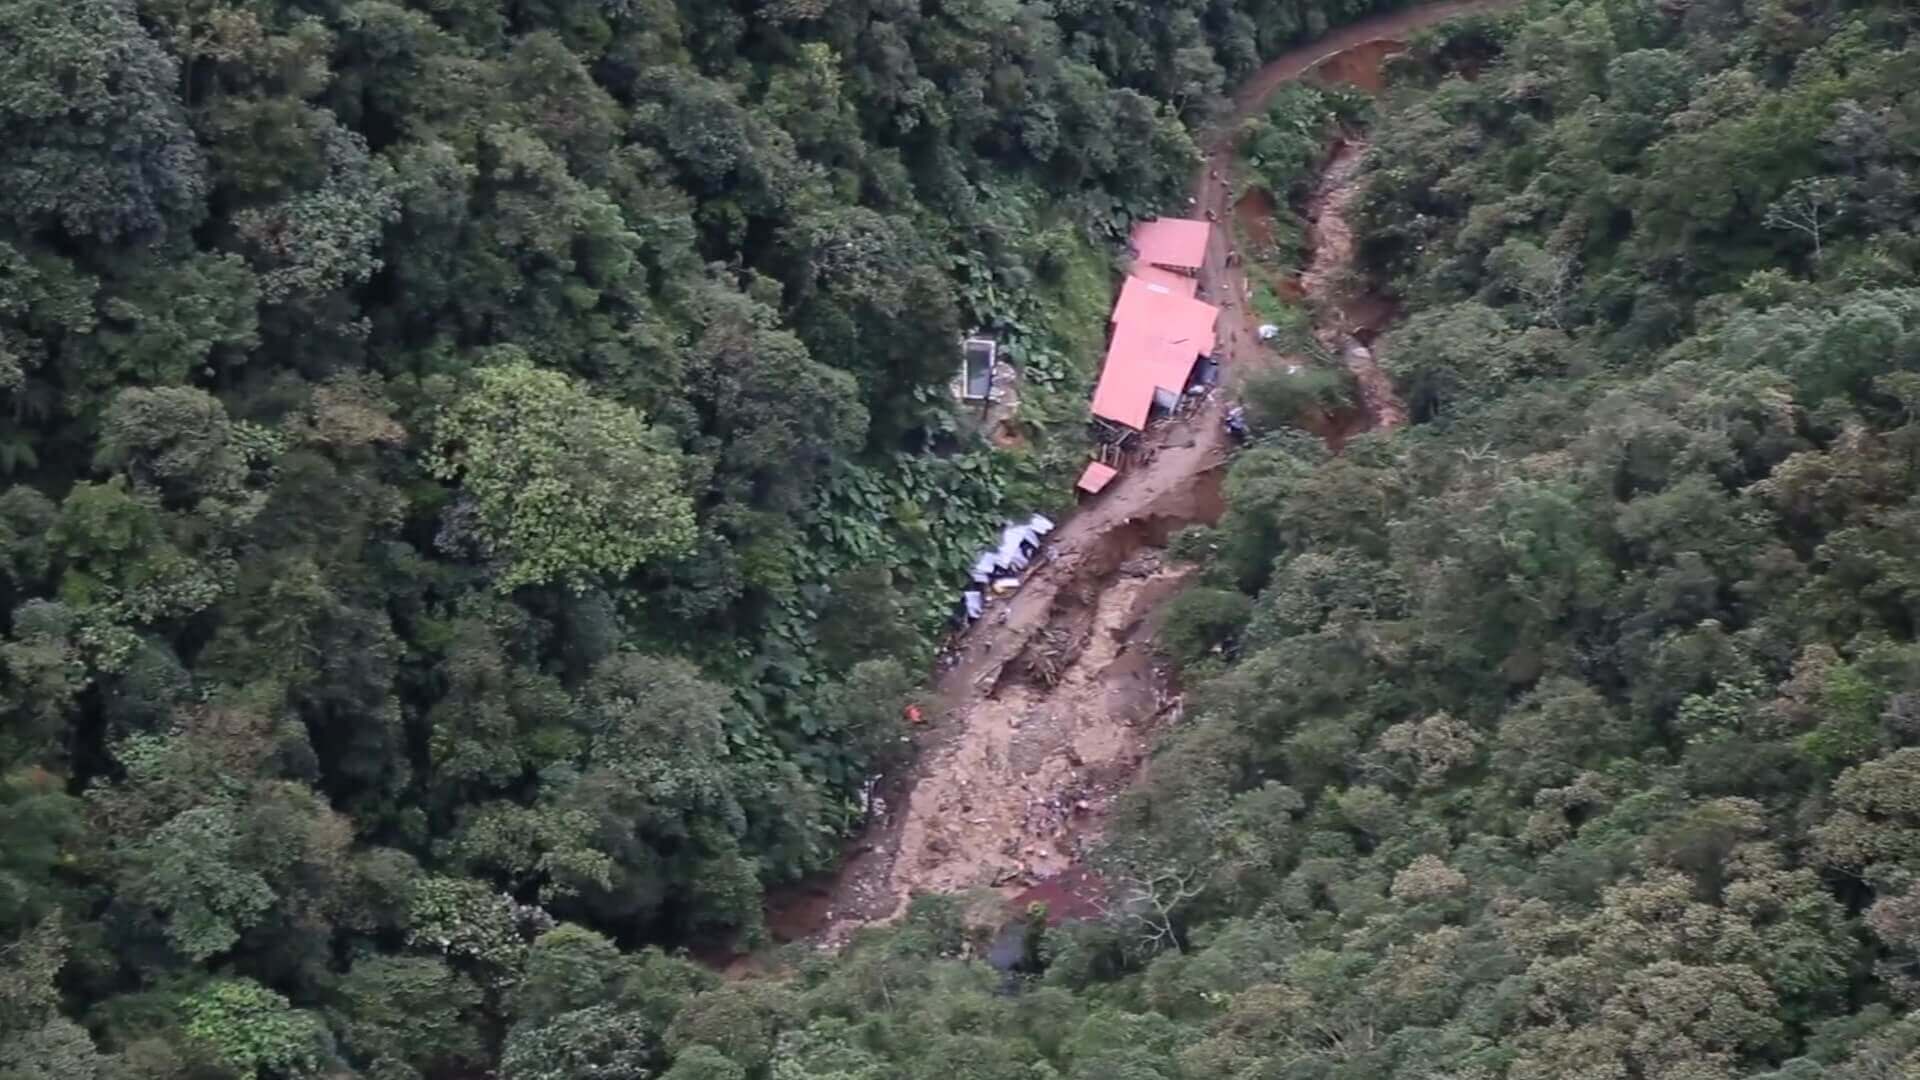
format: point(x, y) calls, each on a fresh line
point(1269, 331)
point(1012, 556)
point(1018, 542)
point(1015, 544)
point(985, 565)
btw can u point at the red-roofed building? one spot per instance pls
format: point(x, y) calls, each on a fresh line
point(1158, 336)
point(1183, 284)
point(1157, 307)
point(1143, 297)
point(1178, 244)
point(1096, 477)
point(1160, 329)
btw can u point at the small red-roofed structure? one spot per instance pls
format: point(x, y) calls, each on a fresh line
point(1096, 477)
point(1174, 243)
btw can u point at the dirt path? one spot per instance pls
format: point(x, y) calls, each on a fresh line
point(1350, 54)
point(1054, 697)
point(1285, 68)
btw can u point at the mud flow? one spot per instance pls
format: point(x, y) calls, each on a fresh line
point(1347, 321)
point(1046, 716)
point(1047, 707)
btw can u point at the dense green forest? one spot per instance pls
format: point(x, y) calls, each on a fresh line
point(480, 484)
point(479, 476)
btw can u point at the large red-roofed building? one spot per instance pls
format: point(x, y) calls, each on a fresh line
point(1159, 329)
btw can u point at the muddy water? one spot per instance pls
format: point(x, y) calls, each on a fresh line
point(1362, 67)
point(1330, 236)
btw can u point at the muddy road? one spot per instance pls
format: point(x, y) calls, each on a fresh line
point(1052, 700)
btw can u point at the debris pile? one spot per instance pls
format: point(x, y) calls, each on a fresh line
point(997, 570)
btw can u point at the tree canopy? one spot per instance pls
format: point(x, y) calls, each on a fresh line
point(477, 485)
point(564, 487)
point(480, 487)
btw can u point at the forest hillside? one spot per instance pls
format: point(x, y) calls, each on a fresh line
point(480, 484)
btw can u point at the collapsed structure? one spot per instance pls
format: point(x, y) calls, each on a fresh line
point(996, 569)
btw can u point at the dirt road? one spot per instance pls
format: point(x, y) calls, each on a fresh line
point(1393, 26)
point(1055, 696)
point(1214, 190)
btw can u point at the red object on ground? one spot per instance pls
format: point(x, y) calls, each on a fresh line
point(1073, 894)
point(1096, 477)
point(913, 714)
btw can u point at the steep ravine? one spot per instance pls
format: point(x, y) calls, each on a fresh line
point(1345, 323)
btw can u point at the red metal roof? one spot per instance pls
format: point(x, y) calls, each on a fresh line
point(1157, 307)
point(1138, 363)
point(1176, 243)
point(1142, 298)
point(1184, 284)
point(1158, 335)
point(1096, 477)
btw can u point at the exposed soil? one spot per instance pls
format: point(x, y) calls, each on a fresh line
point(1049, 704)
point(1253, 216)
point(1393, 26)
point(1079, 893)
point(1347, 321)
point(1044, 716)
point(1362, 66)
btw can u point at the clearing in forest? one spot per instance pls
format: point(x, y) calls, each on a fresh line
point(1053, 699)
